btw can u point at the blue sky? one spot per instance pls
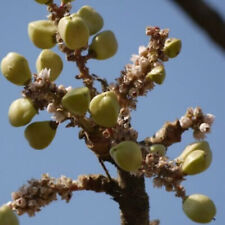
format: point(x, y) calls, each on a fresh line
point(195, 78)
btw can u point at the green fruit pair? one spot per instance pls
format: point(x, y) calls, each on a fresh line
point(42, 33)
point(199, 208)
point(104, 45)
point(15, 68)
point(127, 155)
point(7, 216)
point(77, 100)
point(40, 134)
point(158, 149)
point(21, 112)
point(74, 31)
point(172, 47)
point(92, 18)
point(50, 60)
point(195, 158)
point(157, 74)
point(104, 109)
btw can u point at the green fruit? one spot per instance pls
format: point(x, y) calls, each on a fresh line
point(74, 32)
point(158, 149)
point(42, 33)
point(7, 216)
point(92, 18)
point(50, 60)
point(196, 162)
point(40, 134)
point(21, 112)
point(195, 158)
point(104, 45)
point(66, 1)
point(42, 1)
point(172, 47)
point(15, 68)
point(157, 74)
point(77, 100)
point(199, 208)
point(104, 109)
point(127, 155)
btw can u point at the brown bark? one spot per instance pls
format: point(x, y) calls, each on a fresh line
point(206, 17)
point(133, 200)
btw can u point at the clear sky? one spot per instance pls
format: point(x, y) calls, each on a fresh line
point(195, 78)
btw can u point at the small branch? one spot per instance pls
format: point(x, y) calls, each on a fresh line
point(206, 17)
point(38, 193)
point(104, 168)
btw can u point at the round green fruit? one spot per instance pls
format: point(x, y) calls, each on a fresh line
point(42, 33)
point(196, 162)
point(199, 208)
point(77, 100)
point(157, 74)
point(74, 32)
point(158, 149)
point(127, 155)
point(21, 112)
point(42, 1)
point(15, 68)
point(40, 134)
point(104, 45)
point(7, 216)
point(104, 109)
point(172, 47)
point(50, 60)
point(92, 18)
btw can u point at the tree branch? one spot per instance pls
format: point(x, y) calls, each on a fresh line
point(206, 17)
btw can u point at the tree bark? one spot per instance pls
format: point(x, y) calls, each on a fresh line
point(133, 200)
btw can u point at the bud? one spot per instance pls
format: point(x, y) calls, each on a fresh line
point(157, 74)
point(195, 158)
point(15, 68)
point(199, 208)
point(172, 47)
point(92, 18)
point(104, 45)
point(104, 109)
point(42, 33)
point(127, 155)
point(158, 149)
point(77, 100)
point(40, 134)
point(21, 112)
point(50, 60)
point(7, 216)
point(74, 32)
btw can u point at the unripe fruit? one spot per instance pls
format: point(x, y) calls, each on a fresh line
point(66, 1)
point(74, 32)
point(21, 112)
point(92, 18)
point(157, 74)
point(77, 100)
point(7, 216)
point(104, 45)
point(42, 1)
point(104, 109)
point(127, 155)
point(172, 47)
point(50, 60)
point(158, 149)
point(15, 68)
point(40, 134)
point(195, 158)
point(42, 33)
point(199, 208)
